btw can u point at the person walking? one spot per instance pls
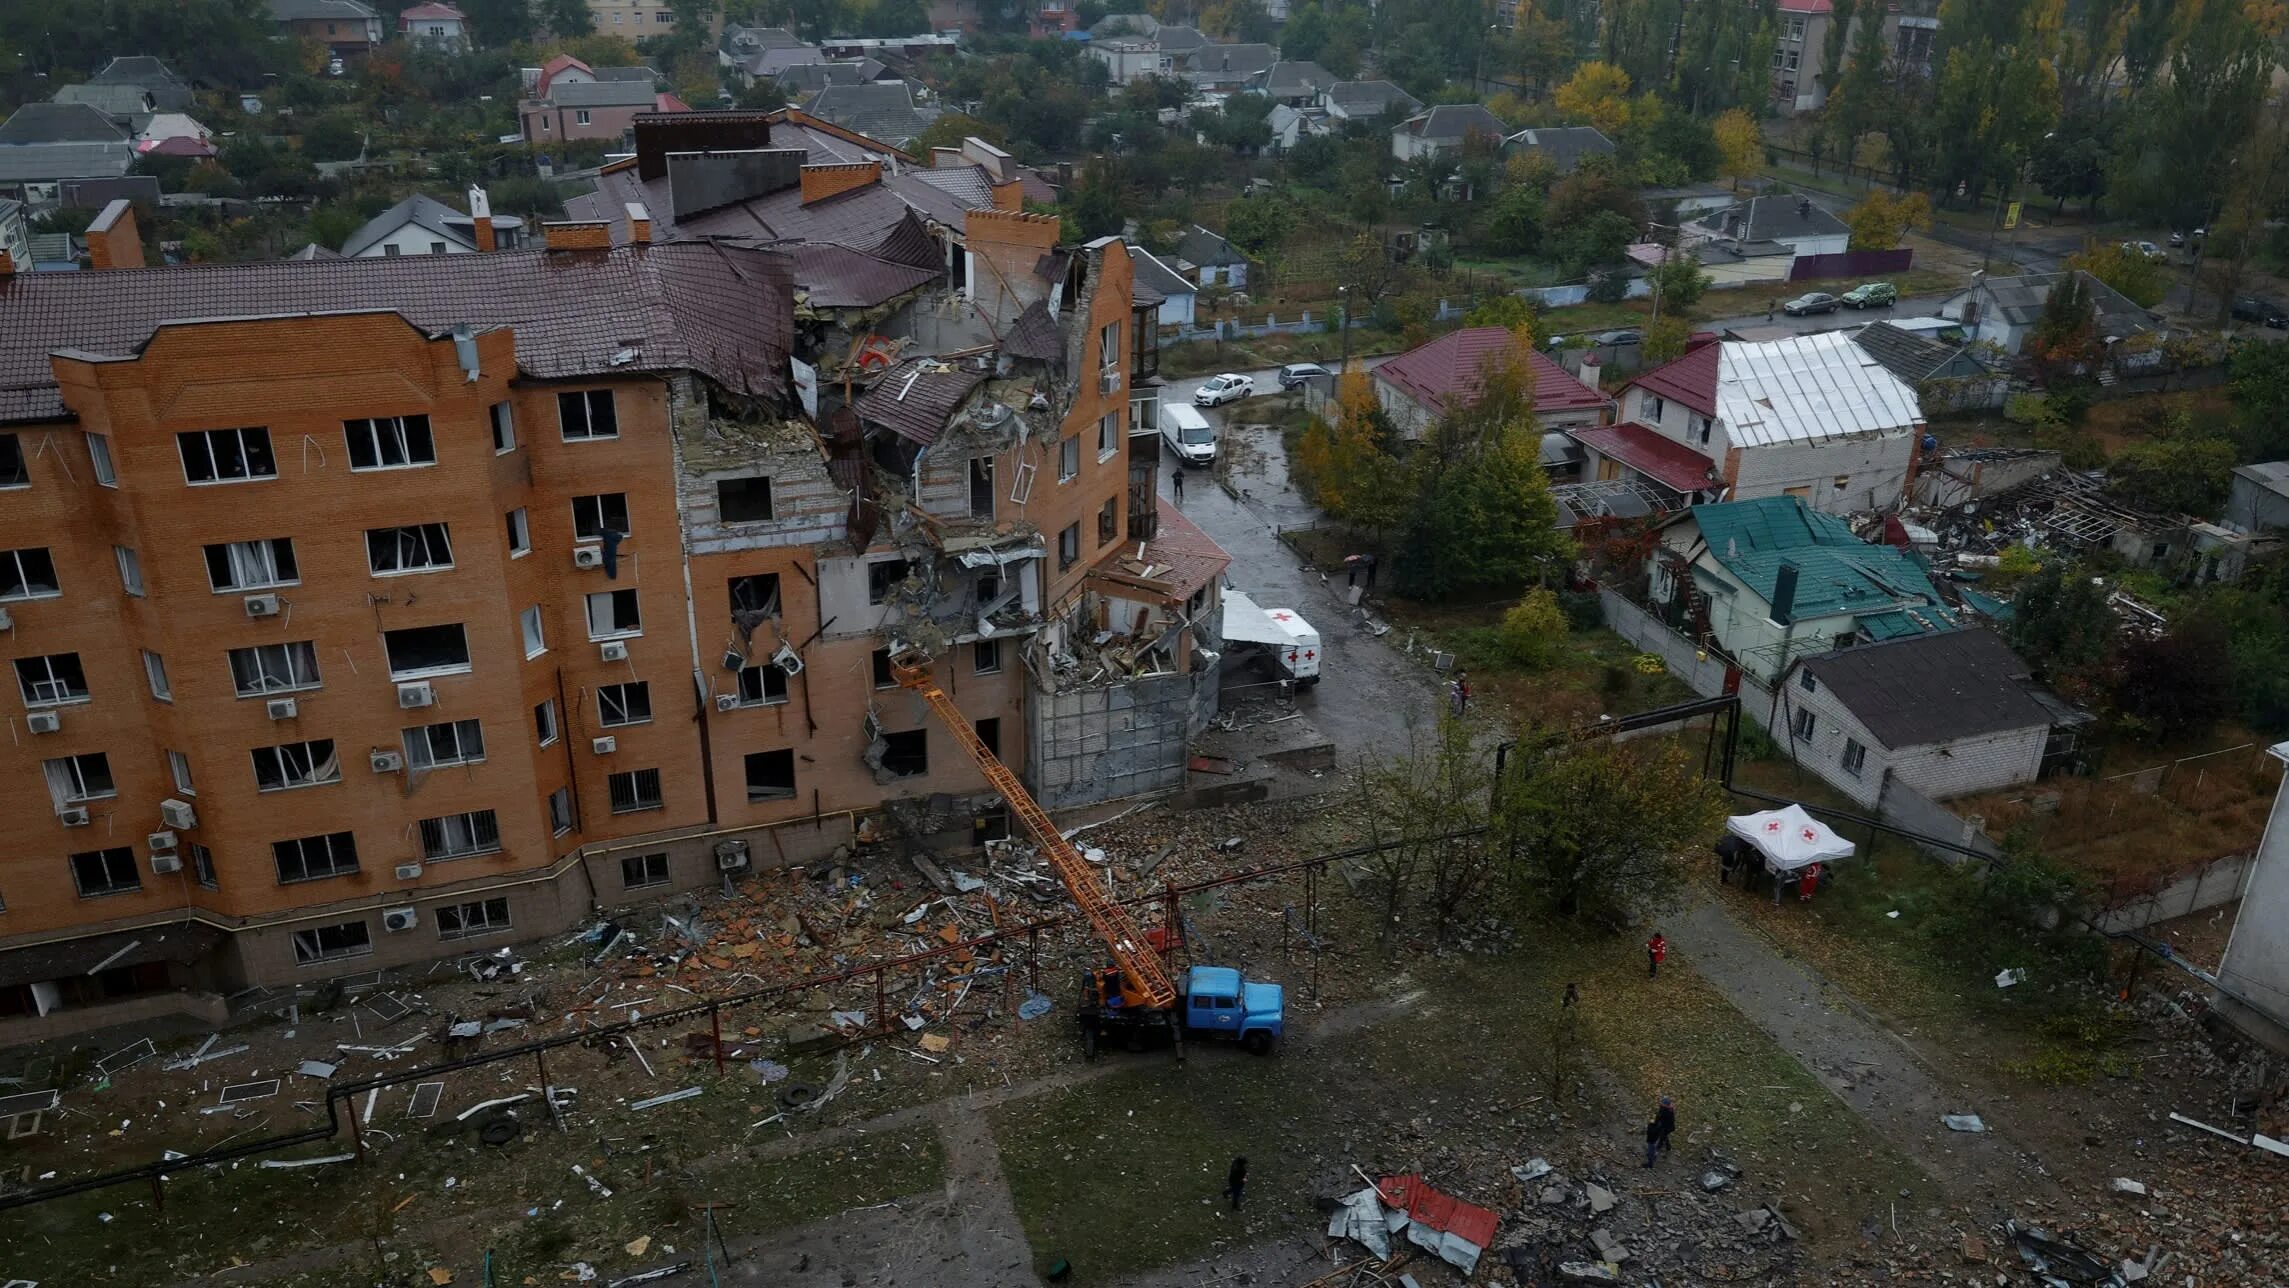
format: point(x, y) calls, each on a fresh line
point(1769, 307)
point(1664, 1124)
point(1236, 1181)
point(1176, 481)
point(1656, 952)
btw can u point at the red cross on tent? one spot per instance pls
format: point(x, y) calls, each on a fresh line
point(1772, 826)
point(1283, 617)
point(1810, 835)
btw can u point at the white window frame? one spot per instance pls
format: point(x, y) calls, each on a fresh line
point(615, 712)
point(460, 836)
point(1108, 435)
point(612, 601)
point(474, 919)
point(311, 949)
point(296, 765)
point(207, 438)
point(762, 695)
point(253, 565)
point(462, 667)
point(546, 727)
point(42, 693)
point(502, 417)
point(1069, 458)
point(99, 458)
point(68, 778)
point(179, 769)
point(590, 400)
point(1854, 757)
point(520, 533)
point(636, 780)
point(292, 657)
point(444, 744)
point(155, 674)
point(580, 116)
point(130, 570)
point(24, 578)
point(384, 436)
point(645, 867)
point(560, 811)
point(1803, 724)
point(534, 628)
point(584, 530)
point(419, 540)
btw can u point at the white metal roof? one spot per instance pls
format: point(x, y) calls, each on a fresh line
point(1808, 389)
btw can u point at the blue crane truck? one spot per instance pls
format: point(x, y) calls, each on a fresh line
point(1212, 1002)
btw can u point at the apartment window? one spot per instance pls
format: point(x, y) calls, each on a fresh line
point(179, 769)
point(1654, 406)
point(907, 754)
point(770, 775)
point(28, 574)
point(580, 114)
point(981, 487)
point(544, 722)
point(989, 733)
point(536, 639)
point(98, 455)
point(883, 577)
point(274, 668)
point(520, 533)
point(203, 866)
point(130, 569)
point(1108, 521)
point(226, 455)
point(1805, 681)
point(1796, 30)
point(1855, 757)
point(635, 790)
point(314, 858)
point(587, 414)
point(1802, 724)
point(419, 547)
point(624, 704)
point(155, 672)
point(452, 742)
point(252, 565)
point(592, 516)
point(883, 678)
point(1069, 459)
point(638, 871)
point(757, 594)
point(1108, 435)
point(417, 651)
point(1792, 61)
point(73, 779)
point(14, 472)
point(1069, 546)
point(296, 764)
point(457, 836)
point(52, 681)
point(746, 500)
point(390, 442)
point(762, 686)
point(985, 657)
point(1708, 425)
point(483, 917)
point(102, 872)
point(560, 811)
point(504, 428)
point(612, 615)
point(1109, 346)
point(332, 943)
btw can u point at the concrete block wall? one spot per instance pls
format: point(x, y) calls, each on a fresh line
point(1102, 744)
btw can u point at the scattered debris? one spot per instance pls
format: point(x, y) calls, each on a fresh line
point(2124, 1185)
point(2214, 1131)
point(318, 1069)
point(654, 1102)
point(237, 1092)
point(425, 1098)
point(2015, 975)
point(307, 1162)
point(1963, 1122)
point(2059, 1261)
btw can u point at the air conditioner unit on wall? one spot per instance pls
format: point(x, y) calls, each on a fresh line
point(604, 746)
point(1109, 380)
point(726, 701)
point(408, 871)
point(387, 762)
point(159, 842)
point(75, 816)
point(7, 623)
point(417, 694)
point(613, 651)
point(283, 708)
point(43, 722)
point(730, 856)
point(178, 815)
point(262, 605)
point(165, 863)
point(397, 919)
point(788, 660)
point(588, 556)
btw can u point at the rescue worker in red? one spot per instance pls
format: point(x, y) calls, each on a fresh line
point(1656, 951)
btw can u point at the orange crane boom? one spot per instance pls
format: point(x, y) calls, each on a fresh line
point(1147, 977)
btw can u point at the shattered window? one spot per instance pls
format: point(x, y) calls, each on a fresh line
point(743, 500)
point(757, 593)
point(425, 650)
point(624, 704)
point(1109, 521)
point(764, 685)
point(1068, 546)
point(770, 775)
point(985, 657)
point(483, 917)
point(882, 577)
point(883, 679)
point(906, 755)
point(1069, 459)
point(989, 733)
point(640, 870)
point(325, 943)
point(591, 515)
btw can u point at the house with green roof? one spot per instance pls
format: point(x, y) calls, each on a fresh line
point(1773, 579)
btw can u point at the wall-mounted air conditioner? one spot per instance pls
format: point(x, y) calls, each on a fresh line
point(416, 694)
point(400, 919)
point(159, 842)
point(387, 762)
point(166, 863)
point(178, 815)
point(282, 708)
point(588, 556)
point(604, 746)
point(730, 856)
point(788, 660)
point(73, 816)
point(613, 651)
point(262, 605)
point(408, 871)
point(44, 721)
point(726, 701)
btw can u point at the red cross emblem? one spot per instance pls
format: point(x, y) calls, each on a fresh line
point(1810, 836)
point(1291, 657)
point(1773, 826)
point(1309, 655)
point(1283, 617)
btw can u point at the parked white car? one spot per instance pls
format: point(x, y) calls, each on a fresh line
point(1223, 389)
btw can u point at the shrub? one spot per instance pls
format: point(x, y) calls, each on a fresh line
point(1534, 631)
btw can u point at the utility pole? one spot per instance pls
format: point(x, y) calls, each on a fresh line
point(1343, 325)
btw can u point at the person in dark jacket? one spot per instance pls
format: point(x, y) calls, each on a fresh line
point(1236, 1181)
point(1659, 1129)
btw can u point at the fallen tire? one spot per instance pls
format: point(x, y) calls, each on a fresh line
point(500, 1131)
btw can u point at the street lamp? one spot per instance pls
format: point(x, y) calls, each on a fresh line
point(1343, 325)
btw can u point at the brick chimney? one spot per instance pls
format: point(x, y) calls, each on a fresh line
point(481, 213)
point(585, 234)
point(112, 241)
point(1592, 372)
point(639, 224)
point(947, 158)
point(7, 262)
point(1007, 247)
point(823, 181)
point(1009, 196)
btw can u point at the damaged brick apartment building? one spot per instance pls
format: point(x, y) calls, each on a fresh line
point(367, 611)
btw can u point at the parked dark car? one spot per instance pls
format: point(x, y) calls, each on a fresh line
point(2251, 308)
point(1808, 304)
point(1621, 337)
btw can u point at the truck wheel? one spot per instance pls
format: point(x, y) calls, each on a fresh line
point(1257, 1042)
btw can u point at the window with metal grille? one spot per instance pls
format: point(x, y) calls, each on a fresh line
point(457, 836)
point(635, 790)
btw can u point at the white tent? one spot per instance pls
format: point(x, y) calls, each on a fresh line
point(1789, 838)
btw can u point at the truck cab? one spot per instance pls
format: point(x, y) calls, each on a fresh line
point(1218, 1003)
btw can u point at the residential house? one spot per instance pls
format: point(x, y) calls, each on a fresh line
point(1419, 386)
point(2002, 311)
point(1290, 125)
point(423, 225)
point(1368, 100)
point(636, 19)
point(347, 28)
point(44, 143)
point(1946, 377)
point(1176, 293)
point(158, 85)
point(564, 69)
point(1209, 259)
point(1798, 224)
point(764, 53)
point(1444, 129)
point(1943, 714)
point(1129, 59)
point(1773, 580)
point(1814, 417)
point(592, 109)
point(2256, 500)
point(1216, 70)
point(1561, 147)
point(1800, 52)
point(1052, 19)
point(15, 234)
point(435, 24)
point(2253, 977)
point(804, 80)
point(1301, 84)
point(883, 110)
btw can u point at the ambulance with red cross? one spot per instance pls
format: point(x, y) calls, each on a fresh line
point(1280, 635)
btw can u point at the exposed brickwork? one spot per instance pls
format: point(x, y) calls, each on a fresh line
point(1009, 196)
point(594, 234)
point(823, 181)
point(113, 240)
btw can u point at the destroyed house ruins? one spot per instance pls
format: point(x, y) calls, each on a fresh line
point(369, 610)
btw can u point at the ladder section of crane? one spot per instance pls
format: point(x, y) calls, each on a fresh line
point(1138, 962)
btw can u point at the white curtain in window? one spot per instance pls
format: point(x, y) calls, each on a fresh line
point(252, 563)
point(63, 784)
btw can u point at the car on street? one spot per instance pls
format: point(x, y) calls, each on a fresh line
point(1810, 303)
point(1218, 390)
point(2146, 248)
point(1295, 373)
point(1872, 295)
point(1621, 337)
point(2253, 308)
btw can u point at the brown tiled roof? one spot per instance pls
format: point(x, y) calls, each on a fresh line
point(1035, 335)
point(837, 277)
point(915, 398)
point(911, 243)
point(1182, 555)
point(725, 312)
point(1453, 367)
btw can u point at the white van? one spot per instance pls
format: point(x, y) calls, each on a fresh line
point(1188, 433)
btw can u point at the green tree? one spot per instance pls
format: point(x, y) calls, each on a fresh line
point(1482, 518)
point(1508, 311)
point(1740, 144)
point(1350, 466)
point(1596, 94)
point(2174, 159)
point(1994, 102)
point(2182, 472)
point(2131, 271)
point(1422, 799)
point(2060, 622)
point(1514, 221)
point(949, 130)
point(2071, 163)
point(565, 18)
point(2065, 335)
point(1678, 281)
point(1261, 224)
point(2180, 681)
point(1881, 220)
point(2258, 377)
point(494, 23)
point(1599, 831)
point(1533, 632)
point(1665, 340)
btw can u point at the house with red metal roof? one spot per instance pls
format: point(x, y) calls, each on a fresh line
point(1810, 416)
point(1422, 384)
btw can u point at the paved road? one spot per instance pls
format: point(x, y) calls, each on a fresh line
point(1918, 306)
point(1267, 381)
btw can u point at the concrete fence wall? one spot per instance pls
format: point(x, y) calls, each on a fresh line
point(2206, 887)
